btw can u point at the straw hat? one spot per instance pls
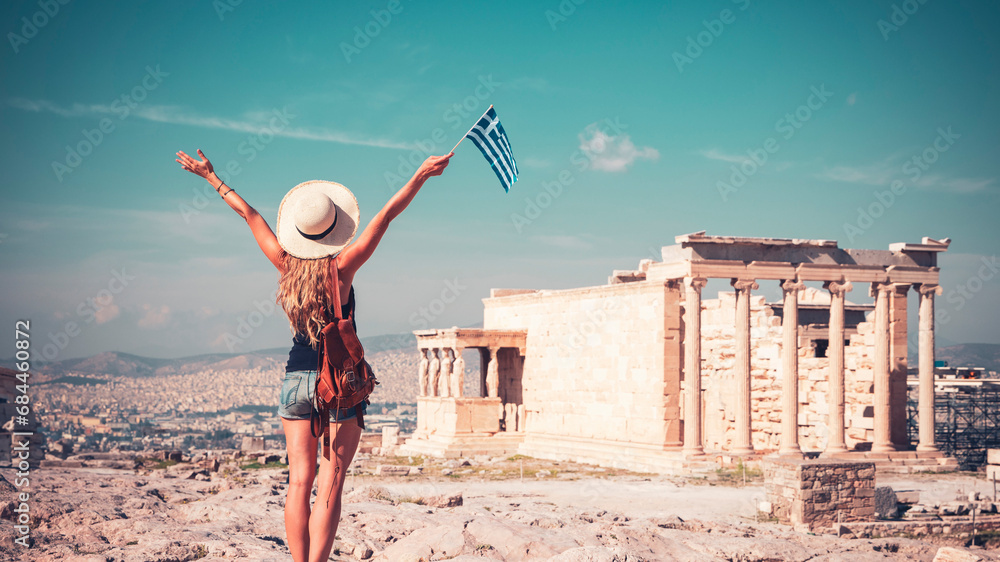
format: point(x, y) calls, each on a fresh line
point(317, 219)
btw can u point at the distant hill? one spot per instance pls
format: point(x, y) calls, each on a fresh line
point(121, 364)
point(127, 365)
point(971, 355)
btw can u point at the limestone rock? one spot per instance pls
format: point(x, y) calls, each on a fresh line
point(949, 554)
point(595, 554)
point(439, 542)
point(391, 470)
point(448, 500)
point(369, 494)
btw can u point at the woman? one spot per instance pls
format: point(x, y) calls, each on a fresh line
point(316, 222)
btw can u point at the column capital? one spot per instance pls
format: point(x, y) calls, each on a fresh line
point(789, 285)
point(744, 284)
point(695, 283)
point(929, 289)
point(839, 288)
point(879, 287)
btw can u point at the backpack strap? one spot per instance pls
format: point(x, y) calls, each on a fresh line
point(333, 285)
point(326, 433)
point(360, 412)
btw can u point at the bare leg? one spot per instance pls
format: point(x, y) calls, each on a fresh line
point(324, 519)
point(301, 447)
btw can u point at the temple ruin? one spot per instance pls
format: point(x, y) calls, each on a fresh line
point(643, 373)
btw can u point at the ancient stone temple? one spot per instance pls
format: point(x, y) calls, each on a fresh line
point(644, 373)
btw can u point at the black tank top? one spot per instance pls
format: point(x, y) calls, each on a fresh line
point(302, 357)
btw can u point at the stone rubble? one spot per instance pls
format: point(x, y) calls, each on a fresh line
point(237, 514)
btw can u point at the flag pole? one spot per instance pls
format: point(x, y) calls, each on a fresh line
point(470, 128)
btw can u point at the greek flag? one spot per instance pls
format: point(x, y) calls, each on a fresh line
point(489, 136)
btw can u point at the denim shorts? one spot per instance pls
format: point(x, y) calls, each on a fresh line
point(296, 399)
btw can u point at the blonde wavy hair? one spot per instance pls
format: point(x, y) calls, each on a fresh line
point(302, 294)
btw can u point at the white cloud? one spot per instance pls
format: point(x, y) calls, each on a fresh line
point(564, 241)
point(107, 312)
point(253, 122)
point(891, 168)
point(612, 153)
point(715, 154)
point(967, 185)
point(154, 317)
point(877, 174)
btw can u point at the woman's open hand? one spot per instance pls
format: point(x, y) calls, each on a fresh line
point(202, 168)
point(434, 165)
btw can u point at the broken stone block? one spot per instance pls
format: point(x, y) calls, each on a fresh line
point(886, 504)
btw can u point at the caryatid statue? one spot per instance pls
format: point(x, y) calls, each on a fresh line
point(422, 372)
point(458, 375)
point(434, 372)
point(492, 375)
point(445, 372)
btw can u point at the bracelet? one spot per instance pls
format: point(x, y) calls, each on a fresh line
point(221, 183)
point(227, 193)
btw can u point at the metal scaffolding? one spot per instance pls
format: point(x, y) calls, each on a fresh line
point(967, 422)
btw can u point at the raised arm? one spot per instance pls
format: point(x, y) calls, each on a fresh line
point(262, 232)
point(354, 256)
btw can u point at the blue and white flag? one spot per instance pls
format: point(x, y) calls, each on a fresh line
point(489, 136)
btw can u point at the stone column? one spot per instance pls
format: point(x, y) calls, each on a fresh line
point(835, 378)
point(883, 442)
point(458, 373)
point(445, 372)
point(493, 375)
point(926, 367)
point(742, 441)
point(692, 366)
point(790, 368)
point(422, 372)
point(434, 373)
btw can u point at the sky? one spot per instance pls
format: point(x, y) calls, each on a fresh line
point(865, 122)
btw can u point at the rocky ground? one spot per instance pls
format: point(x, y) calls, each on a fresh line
point(433, 510)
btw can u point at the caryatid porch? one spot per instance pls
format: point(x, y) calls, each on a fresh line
point(747, 262)
point(449, 423)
